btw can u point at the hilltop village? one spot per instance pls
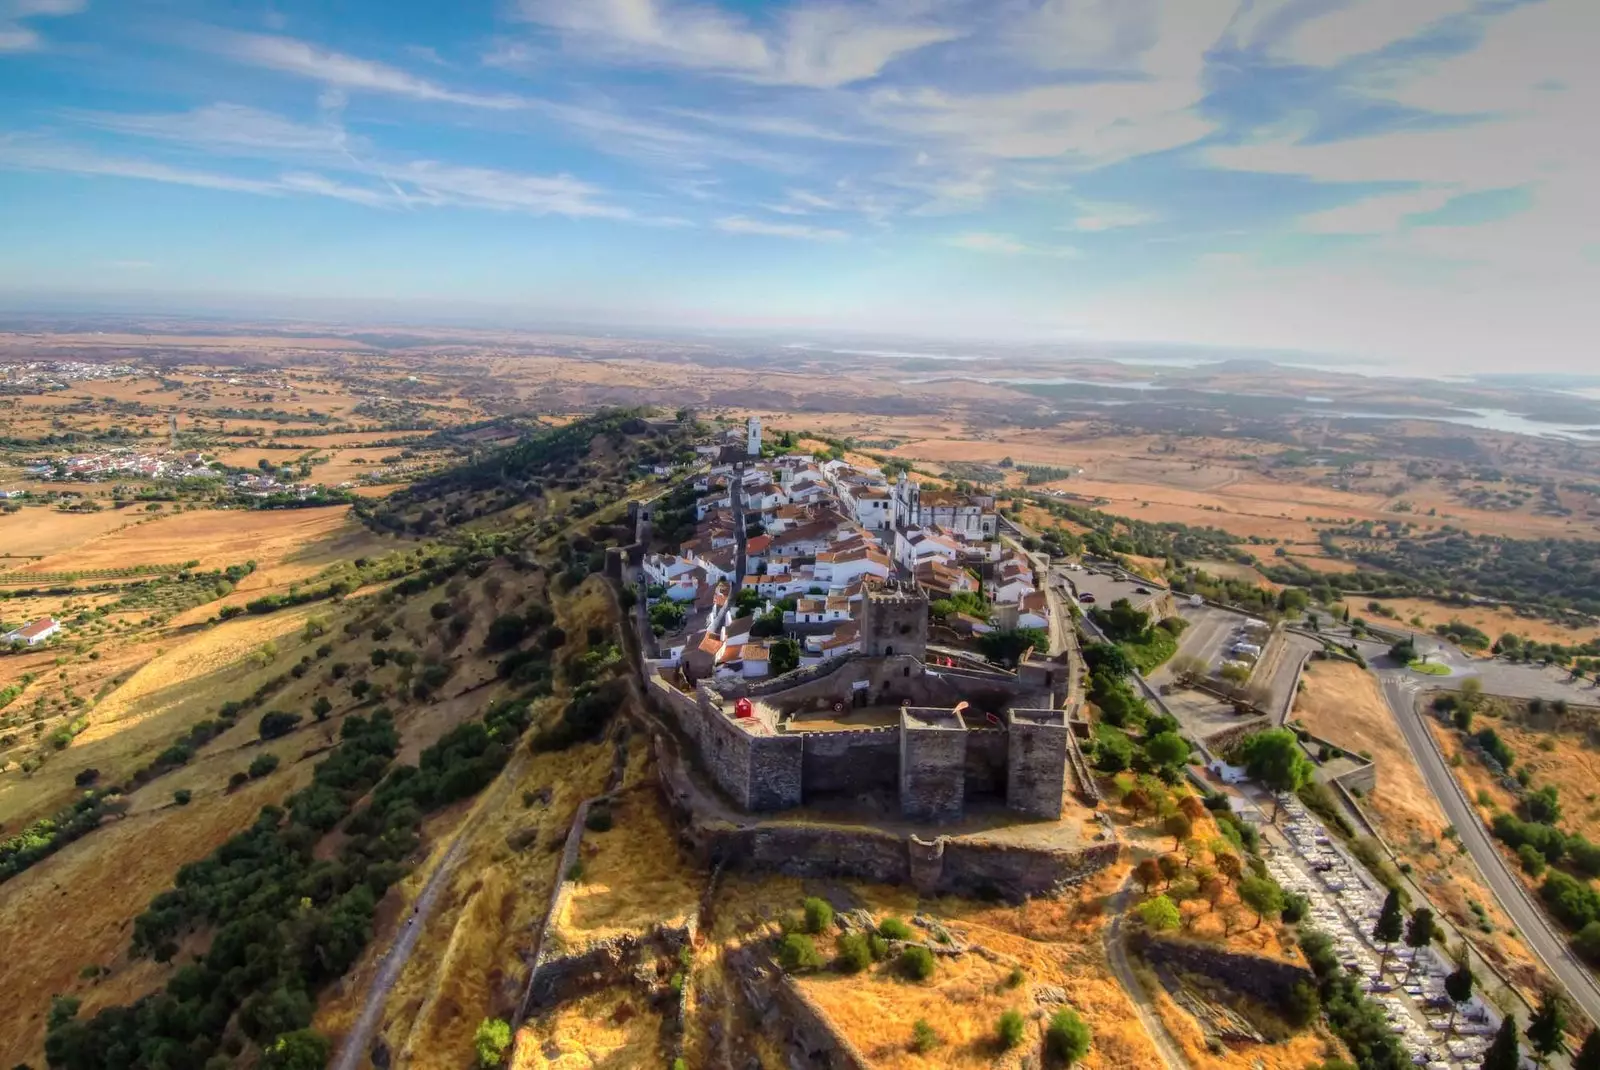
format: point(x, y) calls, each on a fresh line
point(788, 546)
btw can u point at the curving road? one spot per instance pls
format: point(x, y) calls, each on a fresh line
point(1400, 691)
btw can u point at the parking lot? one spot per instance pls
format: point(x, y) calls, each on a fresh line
point(1100, 589)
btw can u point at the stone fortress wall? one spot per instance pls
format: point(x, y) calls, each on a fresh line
point(945, 751)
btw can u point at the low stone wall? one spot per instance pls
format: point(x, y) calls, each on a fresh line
point(935, 867)
point(1224, 741)
point(812, 1041)
point(1268, 980)
point(558, 899)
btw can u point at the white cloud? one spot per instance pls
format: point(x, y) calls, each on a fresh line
point(230, 128)
point(14, 36)
point(408, 184)
point(1378, 214)
point(1102, 215)
point(979, 241)
point(292, 56)
point(1361, 27)
point(738, 224)
point(817, 45)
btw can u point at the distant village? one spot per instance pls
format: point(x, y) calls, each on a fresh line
point(818, 534)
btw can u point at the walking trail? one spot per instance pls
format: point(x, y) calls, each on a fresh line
point(1117, 955)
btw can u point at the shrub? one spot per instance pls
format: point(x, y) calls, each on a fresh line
point(1010, 1028)
point(238, 780)
point(1067, 1037)
point(894, 929)
point(262, 765)
point(924, 1038)
point(879, 947)
point(819, 915)
point(599, 819)
point(1587, 943)
point(797, 952)
point(1532, 861)
point(855, 954)
point(916, 962)
point(182, 796)
point(1015, 978)
point(86, 777)
point(275, 723)
point(491, 1041)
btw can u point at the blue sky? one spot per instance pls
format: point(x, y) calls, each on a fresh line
point(1408, 181)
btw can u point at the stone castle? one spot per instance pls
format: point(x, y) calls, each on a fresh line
point(967, 732)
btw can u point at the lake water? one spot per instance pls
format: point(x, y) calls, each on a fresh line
point(1487, 420)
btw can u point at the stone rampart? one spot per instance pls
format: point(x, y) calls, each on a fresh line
point(936, 866)
point(783, 1009)
point(1224, 741)
point(985, 771)
point(850, 763)
point(1269, 980)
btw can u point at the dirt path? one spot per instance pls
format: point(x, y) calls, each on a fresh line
point(1117, 956)
point(353, 1049)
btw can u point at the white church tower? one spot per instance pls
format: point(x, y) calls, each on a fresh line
point(753, 448)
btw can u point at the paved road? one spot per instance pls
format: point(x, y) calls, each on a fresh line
point(1117, 956)
point(1400, 691)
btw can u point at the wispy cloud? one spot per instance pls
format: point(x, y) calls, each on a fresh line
point(16, 35)
point(233, 129)
point(982, 241)
point(815, 45)
point(303, 59)
point(738, 224)
point(1098, 216)
point(402, 185)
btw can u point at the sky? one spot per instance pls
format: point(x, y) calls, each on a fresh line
point(1406, 181)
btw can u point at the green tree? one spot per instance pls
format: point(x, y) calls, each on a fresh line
point(1504, 1053)
point(1167, 749)
point(1420, 930)
point(491, 1041)
point(1390, 925)
point(262, 765)
point(783, 657)
point(1276, 760)
point(1458, 986)
point(302, 1049)
point(1262, 895)
point(1067, 1037)
point(1160, 913)
point(1548, 1026)
point(1588, 1057)
point(321, 708)
point(1178, 826)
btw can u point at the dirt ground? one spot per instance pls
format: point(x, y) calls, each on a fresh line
point(1341, 702)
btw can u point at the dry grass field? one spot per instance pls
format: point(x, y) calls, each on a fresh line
point(1341, 702)
point(36, 533)
point(610, 1030)
point(1492, 622)
point(215, 538)
point(633, 875)
point(74, 911)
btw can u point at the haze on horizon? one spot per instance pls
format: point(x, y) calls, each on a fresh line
point(1408, 183)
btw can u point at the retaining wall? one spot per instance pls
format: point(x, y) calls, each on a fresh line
point(1269, 980)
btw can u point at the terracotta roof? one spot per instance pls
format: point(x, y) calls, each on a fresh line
point(757, 544)
point(710, 644)
point(36, 628)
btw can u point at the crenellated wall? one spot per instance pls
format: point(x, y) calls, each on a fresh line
point(850, 763)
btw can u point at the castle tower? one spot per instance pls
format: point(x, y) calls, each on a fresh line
point(894, 621)
point(753, 446)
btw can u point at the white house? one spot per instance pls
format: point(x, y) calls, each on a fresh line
point(34, 632)
point(913, 548)
point(1034, 611)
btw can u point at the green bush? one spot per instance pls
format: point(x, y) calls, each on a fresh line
point(924, 1038)
point(599, 819)
point(819, 915)
point(855, 954)
point(491, 1041)
point(878, 946)
point(1010, 1028)
point(797, 952)
point(262, 765)
point(182, 796)
point(916, 962)
point(1532, 861)
point(1067, 1038)
point(894, 929)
